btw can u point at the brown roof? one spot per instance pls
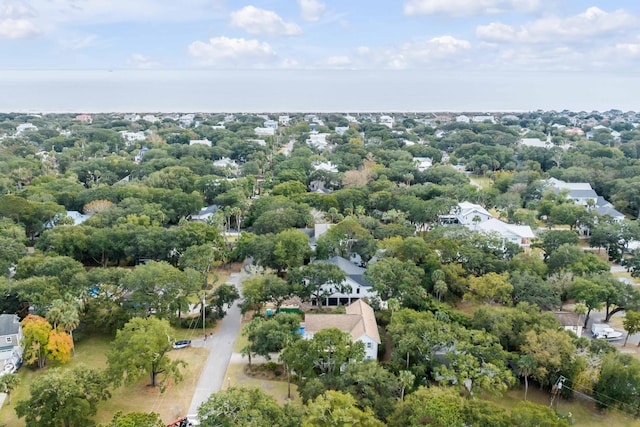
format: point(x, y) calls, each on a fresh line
point(358, 321)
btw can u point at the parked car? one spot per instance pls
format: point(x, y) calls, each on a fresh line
point(181, 344)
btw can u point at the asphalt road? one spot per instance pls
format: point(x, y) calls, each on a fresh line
point(220, 347)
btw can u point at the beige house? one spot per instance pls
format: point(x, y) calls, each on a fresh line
point(359, 321)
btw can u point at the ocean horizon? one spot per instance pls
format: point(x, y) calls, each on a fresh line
point(253, 91)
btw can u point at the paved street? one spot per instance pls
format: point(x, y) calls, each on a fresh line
point(220, 347)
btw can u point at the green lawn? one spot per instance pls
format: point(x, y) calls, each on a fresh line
point(584, 414)
point(134, 397)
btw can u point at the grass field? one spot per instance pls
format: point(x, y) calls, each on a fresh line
point(135, 397)
point(584, 414)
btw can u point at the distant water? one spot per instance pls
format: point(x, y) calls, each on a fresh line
point(96, 91)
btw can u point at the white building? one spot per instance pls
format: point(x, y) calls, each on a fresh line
point(150, 118)
point(463, 119)
point(284, 120)
point(422, 163)
point(359, 321)
point(388, 121)
point(11, 343)
point(340, 130)
point(356, 286)
point(518, 234)
point(317, 140)
point(131, 137)
point(200, 142)
point(483, 119)
point(23, 127)
point(132, 117)
point(186, 120)
point(580, 192)
point(325, 166)
point(271, 124)
point(466, 213)
point(264, 131)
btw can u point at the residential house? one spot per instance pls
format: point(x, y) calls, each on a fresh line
point(77, 217)
point(466, 213)
point(205, 213)
point(186, 120)
point(317, 140)
point(284, 120)
point(580, 192)
point(86, 118)
point(359, 321)
point(131, 137)
point(463, 119)
point(325, 166)
point(340, 130)
point(271, 124)
point(11, 343)
point(536, 142)
point(483, 119)
point(356, 286)
point(200, 142)
point(138, 157)
point(264, 131)
point(150, 118)
point(518, 234)
point(603, 207)
point(23, 127)
point(388, 121)
point(422, 163)
point(131, 117)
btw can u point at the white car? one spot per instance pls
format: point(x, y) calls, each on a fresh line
point(181, 344)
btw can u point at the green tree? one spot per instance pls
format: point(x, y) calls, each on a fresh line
point(65, 313)
point(336, 409)
point(434, 406)
point(553, 353)
point(66, 398)
point(243, 407)
point(393, 278)
point(136, 419)
point(589, 292)
point(317, 280)
point(631, 324)
point(619, 383)
point(225, 294)
point(553, 239)
point(490, 288)
point(140, 349)
point(8, 383)
point(528, 414)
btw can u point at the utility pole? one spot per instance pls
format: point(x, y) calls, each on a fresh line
point(555, 391)
point(203, 320)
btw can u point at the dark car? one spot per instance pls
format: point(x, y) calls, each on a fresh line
point(181, 344)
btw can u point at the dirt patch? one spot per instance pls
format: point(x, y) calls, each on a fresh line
point(266, 371)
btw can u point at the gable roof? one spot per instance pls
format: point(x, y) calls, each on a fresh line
point(9, 324)
point(359, 320)
point(345, 265)
point(502, 228)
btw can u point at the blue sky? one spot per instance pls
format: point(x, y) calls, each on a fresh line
point(502, 46)
point(315, 34)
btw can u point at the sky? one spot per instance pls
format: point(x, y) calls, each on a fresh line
point(315, 55)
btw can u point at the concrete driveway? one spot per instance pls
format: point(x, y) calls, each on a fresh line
point(220, 347)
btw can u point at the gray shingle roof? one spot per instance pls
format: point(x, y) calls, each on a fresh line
point(9, 324)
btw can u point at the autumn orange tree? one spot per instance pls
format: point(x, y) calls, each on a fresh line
point(43, 342)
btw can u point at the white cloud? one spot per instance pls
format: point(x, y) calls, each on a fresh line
point(231, 51)
point(17, 29)
point(589, 25)
point(311, 10)
point(140, 61)
point(468, 7)
point(440, 51)
point(263, 22)
point(338, 61)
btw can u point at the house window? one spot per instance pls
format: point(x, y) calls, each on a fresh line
point(358, 291)
point(8, 339)
point(369, 345)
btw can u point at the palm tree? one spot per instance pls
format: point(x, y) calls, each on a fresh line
point(65, 313)
point(8, 383)
point(526, 365)
point(440, 288)
point(406, 379)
